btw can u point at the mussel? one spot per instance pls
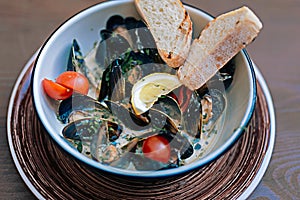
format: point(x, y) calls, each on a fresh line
point(82, 129)
point(75, 60)
point(214, 104)
point(113, 83)
point(101, 148)
point(192, 116)
point(80, 134)
point(147, 124)
point(110, 49)
point(82, 103)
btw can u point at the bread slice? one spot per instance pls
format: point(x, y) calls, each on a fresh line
point(219, 41)
point(171, 27)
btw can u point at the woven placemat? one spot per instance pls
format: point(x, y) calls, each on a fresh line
point(56, 175)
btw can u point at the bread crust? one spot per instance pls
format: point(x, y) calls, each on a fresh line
point(204, 61)
point(179, 37)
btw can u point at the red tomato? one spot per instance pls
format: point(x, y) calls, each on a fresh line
point(157, 148)
point(56, 91)
point(75, 81)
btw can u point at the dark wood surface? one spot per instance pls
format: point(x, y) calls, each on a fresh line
point(24, 25)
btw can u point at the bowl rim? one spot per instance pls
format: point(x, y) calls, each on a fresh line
point(143, 174)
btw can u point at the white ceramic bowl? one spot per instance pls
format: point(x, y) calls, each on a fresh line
point(85, 26)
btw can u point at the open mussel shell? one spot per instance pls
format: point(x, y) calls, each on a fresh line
point(101, 149)
point(113, 83)
point(192, 116)
point(117, 84)
point(82, 129)
point(127, 116)
point(76, 62)
point(213, 104)
point(218, 101)
point(115, 41)
point(75, 59)
point(119, 78)
point(84, 64)
point(79, 102)
point(95, 136)
point(110, 49)
point(165, 113)
point(169, 107)
point(80, 134)
point(126, 154)
point(136, 122)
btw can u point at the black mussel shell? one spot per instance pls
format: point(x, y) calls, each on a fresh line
point(104, 88)
point(187, 151)
point(112, 83)
point(192, 116)
point(114, 131)
point(105, 34)
point(222, 80)
point(82, 129)
point(133, 23)
point(114, 22)
point(75, 59)
point(127, 117)
point(218, 103)
point(111, 49)
point(227, 72)
point(78, 102)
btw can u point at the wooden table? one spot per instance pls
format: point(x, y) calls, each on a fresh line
point(24, 25)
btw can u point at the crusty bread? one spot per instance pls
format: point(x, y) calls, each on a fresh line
point(171, 27)
point(219, 41)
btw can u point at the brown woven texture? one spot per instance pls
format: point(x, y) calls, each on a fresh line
point(57, 175)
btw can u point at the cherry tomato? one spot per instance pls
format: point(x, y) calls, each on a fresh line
point(157, 148)
point(74, 80)
point(55, 90)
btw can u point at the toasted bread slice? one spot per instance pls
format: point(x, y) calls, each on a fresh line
point(171, 27)
point(219, 41)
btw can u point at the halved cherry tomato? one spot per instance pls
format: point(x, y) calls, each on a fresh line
point(55, 90)
point(74, 80)
point(157, 148)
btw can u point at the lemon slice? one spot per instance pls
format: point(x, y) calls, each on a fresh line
point(146, 91)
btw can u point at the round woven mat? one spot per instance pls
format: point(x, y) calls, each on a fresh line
point(56, 175)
